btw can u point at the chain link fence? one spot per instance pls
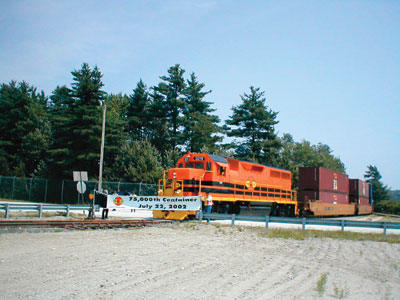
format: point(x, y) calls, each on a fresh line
point(63, 191)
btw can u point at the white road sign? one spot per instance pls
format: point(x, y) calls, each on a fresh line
point(81, 187)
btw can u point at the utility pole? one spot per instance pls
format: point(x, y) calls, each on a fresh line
point(103, 129)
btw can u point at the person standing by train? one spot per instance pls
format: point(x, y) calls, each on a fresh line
point(209, 203)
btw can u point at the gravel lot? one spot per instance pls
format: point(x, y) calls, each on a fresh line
point(193, 261)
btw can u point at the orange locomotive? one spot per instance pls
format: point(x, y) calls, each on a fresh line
point(231, 183)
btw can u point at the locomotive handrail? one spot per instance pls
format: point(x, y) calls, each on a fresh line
point(301, 221)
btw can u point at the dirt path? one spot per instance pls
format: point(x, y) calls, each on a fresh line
point(193, 261)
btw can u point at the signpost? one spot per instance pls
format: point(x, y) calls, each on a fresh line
point(80, 177)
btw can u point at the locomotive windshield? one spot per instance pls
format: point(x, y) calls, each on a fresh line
point(196, 165)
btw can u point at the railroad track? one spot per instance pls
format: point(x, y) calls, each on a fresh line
point(80, 224)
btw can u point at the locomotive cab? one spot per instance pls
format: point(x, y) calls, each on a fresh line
point(179, 181)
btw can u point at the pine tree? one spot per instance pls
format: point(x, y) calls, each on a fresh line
point(380, 192)
point(77, 118)
point(87, 117)
point(171, 89)
point(24, 129)
point(254, 124)
point(157, 127)
point(116, 132)
point(138, 112)
point(199, 126)
point(60, 156)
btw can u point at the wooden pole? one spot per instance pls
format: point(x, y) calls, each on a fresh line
point(102, 149)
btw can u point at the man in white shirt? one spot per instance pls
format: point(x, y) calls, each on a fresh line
point(209, 203)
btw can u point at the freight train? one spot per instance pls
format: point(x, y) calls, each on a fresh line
point(236, 185)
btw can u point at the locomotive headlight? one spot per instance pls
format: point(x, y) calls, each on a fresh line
point(174, 175)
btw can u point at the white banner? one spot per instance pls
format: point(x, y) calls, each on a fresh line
point(154, 202)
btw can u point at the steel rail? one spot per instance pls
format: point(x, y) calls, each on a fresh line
point(81, 224)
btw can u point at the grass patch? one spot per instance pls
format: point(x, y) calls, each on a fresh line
point(339, 292)
point(220, 230)
point(342, 235)
point(321, 283)
point(191, 226)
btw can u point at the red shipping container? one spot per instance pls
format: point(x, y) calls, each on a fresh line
point(358, 188)
point(326, 197)
point(364, 201)
point(321, 179)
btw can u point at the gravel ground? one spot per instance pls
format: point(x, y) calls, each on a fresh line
point(193, 261)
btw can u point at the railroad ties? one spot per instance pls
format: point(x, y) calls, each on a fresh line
point(80, 224)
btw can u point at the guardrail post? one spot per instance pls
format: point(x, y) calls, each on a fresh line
point(266, 221)
point(233, 219)
point(342, 225)
point(67, 209)
point(303, 223)
point(40, 208)
point(384, 228)
point(7, 210)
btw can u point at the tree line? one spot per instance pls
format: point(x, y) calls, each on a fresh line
point(146, 130)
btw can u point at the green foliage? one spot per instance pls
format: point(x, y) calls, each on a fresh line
point(171, 90)
point(24, 129)
point(387, 207)
point(77, 123)
point(199, 127)
point(138, 112)
point(340, 293)
point(86, 120)
point(303, 154)
point(380, 192)
point(254, 124)
point(116, 131)
point(321, 284)
point(170, 158)
point(61, 112)
point(138, 161)
point(158, 133)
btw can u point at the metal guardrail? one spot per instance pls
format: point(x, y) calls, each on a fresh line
point(301, 221)
point(7, 207)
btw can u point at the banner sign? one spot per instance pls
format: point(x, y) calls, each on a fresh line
point(154, 202)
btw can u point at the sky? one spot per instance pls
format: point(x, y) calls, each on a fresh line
point(330, 68)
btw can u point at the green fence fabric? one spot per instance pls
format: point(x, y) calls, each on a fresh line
point(63, 191)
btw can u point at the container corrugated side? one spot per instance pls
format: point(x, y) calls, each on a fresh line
point(322, 179)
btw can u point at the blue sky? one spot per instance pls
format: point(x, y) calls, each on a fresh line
point(331, 68)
